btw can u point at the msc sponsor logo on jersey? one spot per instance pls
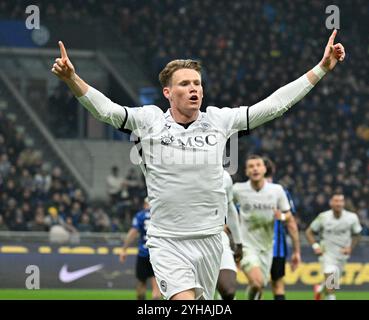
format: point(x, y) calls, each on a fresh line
point(258, 206)
point(198, 141)
point(330, 229)
point(190, 142)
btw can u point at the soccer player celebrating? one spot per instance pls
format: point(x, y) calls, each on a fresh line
point(144, 269)
point(182, 150)
point(339, 231)
point(227, 279)
point(260, 203)
point(279, 242)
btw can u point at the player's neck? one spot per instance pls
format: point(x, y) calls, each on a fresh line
point(258, 185)
point(183, 118)
point(337, 214)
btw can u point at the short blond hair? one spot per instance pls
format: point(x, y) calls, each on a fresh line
point(165, 76)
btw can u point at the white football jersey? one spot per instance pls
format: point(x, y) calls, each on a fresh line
point(183, 167)
point(336, 233)
point(257, 212)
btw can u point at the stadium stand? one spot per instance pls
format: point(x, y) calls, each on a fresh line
point(248, 51)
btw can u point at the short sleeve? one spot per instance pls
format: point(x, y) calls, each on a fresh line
point(136, 223)
point(356, 226)
point(283, 203)
point(316, 225)
point(290, 200)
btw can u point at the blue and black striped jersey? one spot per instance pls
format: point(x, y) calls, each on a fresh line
point(279, 241)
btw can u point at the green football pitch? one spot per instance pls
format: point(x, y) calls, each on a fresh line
point(71, 294)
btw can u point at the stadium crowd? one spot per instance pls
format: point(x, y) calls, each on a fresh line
point(35, 196)
point(249, 49)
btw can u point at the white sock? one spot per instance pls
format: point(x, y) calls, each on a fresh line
point(330, 296)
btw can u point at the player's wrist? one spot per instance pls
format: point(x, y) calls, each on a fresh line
point(320, 71)
point(316, 246)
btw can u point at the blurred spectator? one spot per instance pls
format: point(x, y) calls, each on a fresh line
point(42, 180)
point(85, 224)
point(4, 165)
point(18, 223)
point(75, 213)
point(38, 224)
point(101, 221)
point(53, 218)
point(3, 226)
point(114, 184)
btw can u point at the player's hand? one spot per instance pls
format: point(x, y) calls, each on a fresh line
point(238, 253)
point(278, 215)
point(318, 251)
point(123, 256)
point(332, 53)
point(346, 251)
point(295, 260)
point(62, 67)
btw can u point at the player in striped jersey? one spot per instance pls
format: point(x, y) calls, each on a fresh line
point(144, 269)
point(280, 251)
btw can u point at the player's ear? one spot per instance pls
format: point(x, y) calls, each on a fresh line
point(246, 173)
point(264, 170)
point(166, 92)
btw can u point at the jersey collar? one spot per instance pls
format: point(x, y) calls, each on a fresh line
point(168, 116)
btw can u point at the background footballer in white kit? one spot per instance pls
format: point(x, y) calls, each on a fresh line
point(187, 217)
point(339, 232)
point(261, 202)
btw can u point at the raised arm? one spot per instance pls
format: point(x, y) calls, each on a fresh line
point(284, 98)
point(101, 107)
point(65, 71)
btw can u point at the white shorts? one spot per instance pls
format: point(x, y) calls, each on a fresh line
point(331, 264)
point(184, 264)
point(256, 258)
point(227, 262)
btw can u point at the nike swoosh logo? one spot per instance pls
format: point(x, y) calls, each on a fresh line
point(66, 276)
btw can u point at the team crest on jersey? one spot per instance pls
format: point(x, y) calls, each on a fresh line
point(205, 126)
point(167, 140)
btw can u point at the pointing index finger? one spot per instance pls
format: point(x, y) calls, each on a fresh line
point(63, 52)
point(332, 37)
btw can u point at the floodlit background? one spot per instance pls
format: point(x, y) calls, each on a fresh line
point(56, 161)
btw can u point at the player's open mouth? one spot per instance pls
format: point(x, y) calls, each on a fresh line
point(194, 98)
